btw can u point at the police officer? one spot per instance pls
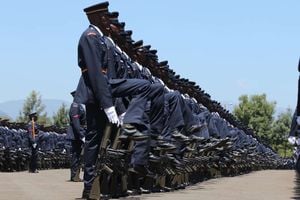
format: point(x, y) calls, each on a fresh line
point(76, 133)
point(179, 116)
point(141, 91)
point(32, 129)
point(99, 103)
point(296, 117)
point(100, 109)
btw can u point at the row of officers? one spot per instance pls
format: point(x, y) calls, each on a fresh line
point(116, 89)
point(23, 147)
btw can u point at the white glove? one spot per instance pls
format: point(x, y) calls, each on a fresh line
point(83, 139)
point(34, 145)
point(292, 140)
point(121, 118)
point(112, 115)
point(298, 120)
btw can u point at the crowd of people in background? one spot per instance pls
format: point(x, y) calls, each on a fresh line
point(20, 150)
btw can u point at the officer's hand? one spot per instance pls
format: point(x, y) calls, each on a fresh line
point(112, 115)
point(34, 145)
point(298, 120)
point(121, 118)
point(292, 140)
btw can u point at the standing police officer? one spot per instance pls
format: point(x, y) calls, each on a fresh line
point(33, 130)
point(99, 102)
point(76, 133)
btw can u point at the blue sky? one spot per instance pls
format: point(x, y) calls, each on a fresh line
point(228, 47)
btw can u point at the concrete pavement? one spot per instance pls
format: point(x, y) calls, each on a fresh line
point(54, 185)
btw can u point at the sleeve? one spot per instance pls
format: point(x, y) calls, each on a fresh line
point(82, 121)
point(298, 98)
point(75, 121)
point(29, 131)
point(92, 52)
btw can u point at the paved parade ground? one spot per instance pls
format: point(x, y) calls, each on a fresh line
point(53, 185)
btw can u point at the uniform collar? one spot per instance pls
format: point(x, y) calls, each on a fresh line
point(139, 66)
point(117, 47)
point(125, 54)
point(97, 29)
point(111, 40)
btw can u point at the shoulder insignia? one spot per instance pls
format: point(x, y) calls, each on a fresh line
point(91, 34)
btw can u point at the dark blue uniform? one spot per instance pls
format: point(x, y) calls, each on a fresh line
point(93, 60)
point(97, 96)
point(33, 144)
point(76, 133)
point(141, 91)
point(146, 107)
point(179, 114)
point(294, 126)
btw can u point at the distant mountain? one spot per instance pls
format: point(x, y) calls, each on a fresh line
point(13, 108)
point(4, 115)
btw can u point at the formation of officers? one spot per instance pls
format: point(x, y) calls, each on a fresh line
point(23, 147)
point(137, 135)
point(142, 136)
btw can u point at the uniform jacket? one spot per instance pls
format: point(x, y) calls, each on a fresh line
point(77, 117)
point(92, 59)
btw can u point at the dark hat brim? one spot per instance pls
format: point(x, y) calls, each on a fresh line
point(101, 7)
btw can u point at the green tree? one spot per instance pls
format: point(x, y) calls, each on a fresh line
point(60, 118)
point(33, 103)
point(257, 113)
point(280, 132)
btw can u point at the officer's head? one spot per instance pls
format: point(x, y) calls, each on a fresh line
point(33, 116)
point(113, 23)
point(114, 27)
point(96, 11)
